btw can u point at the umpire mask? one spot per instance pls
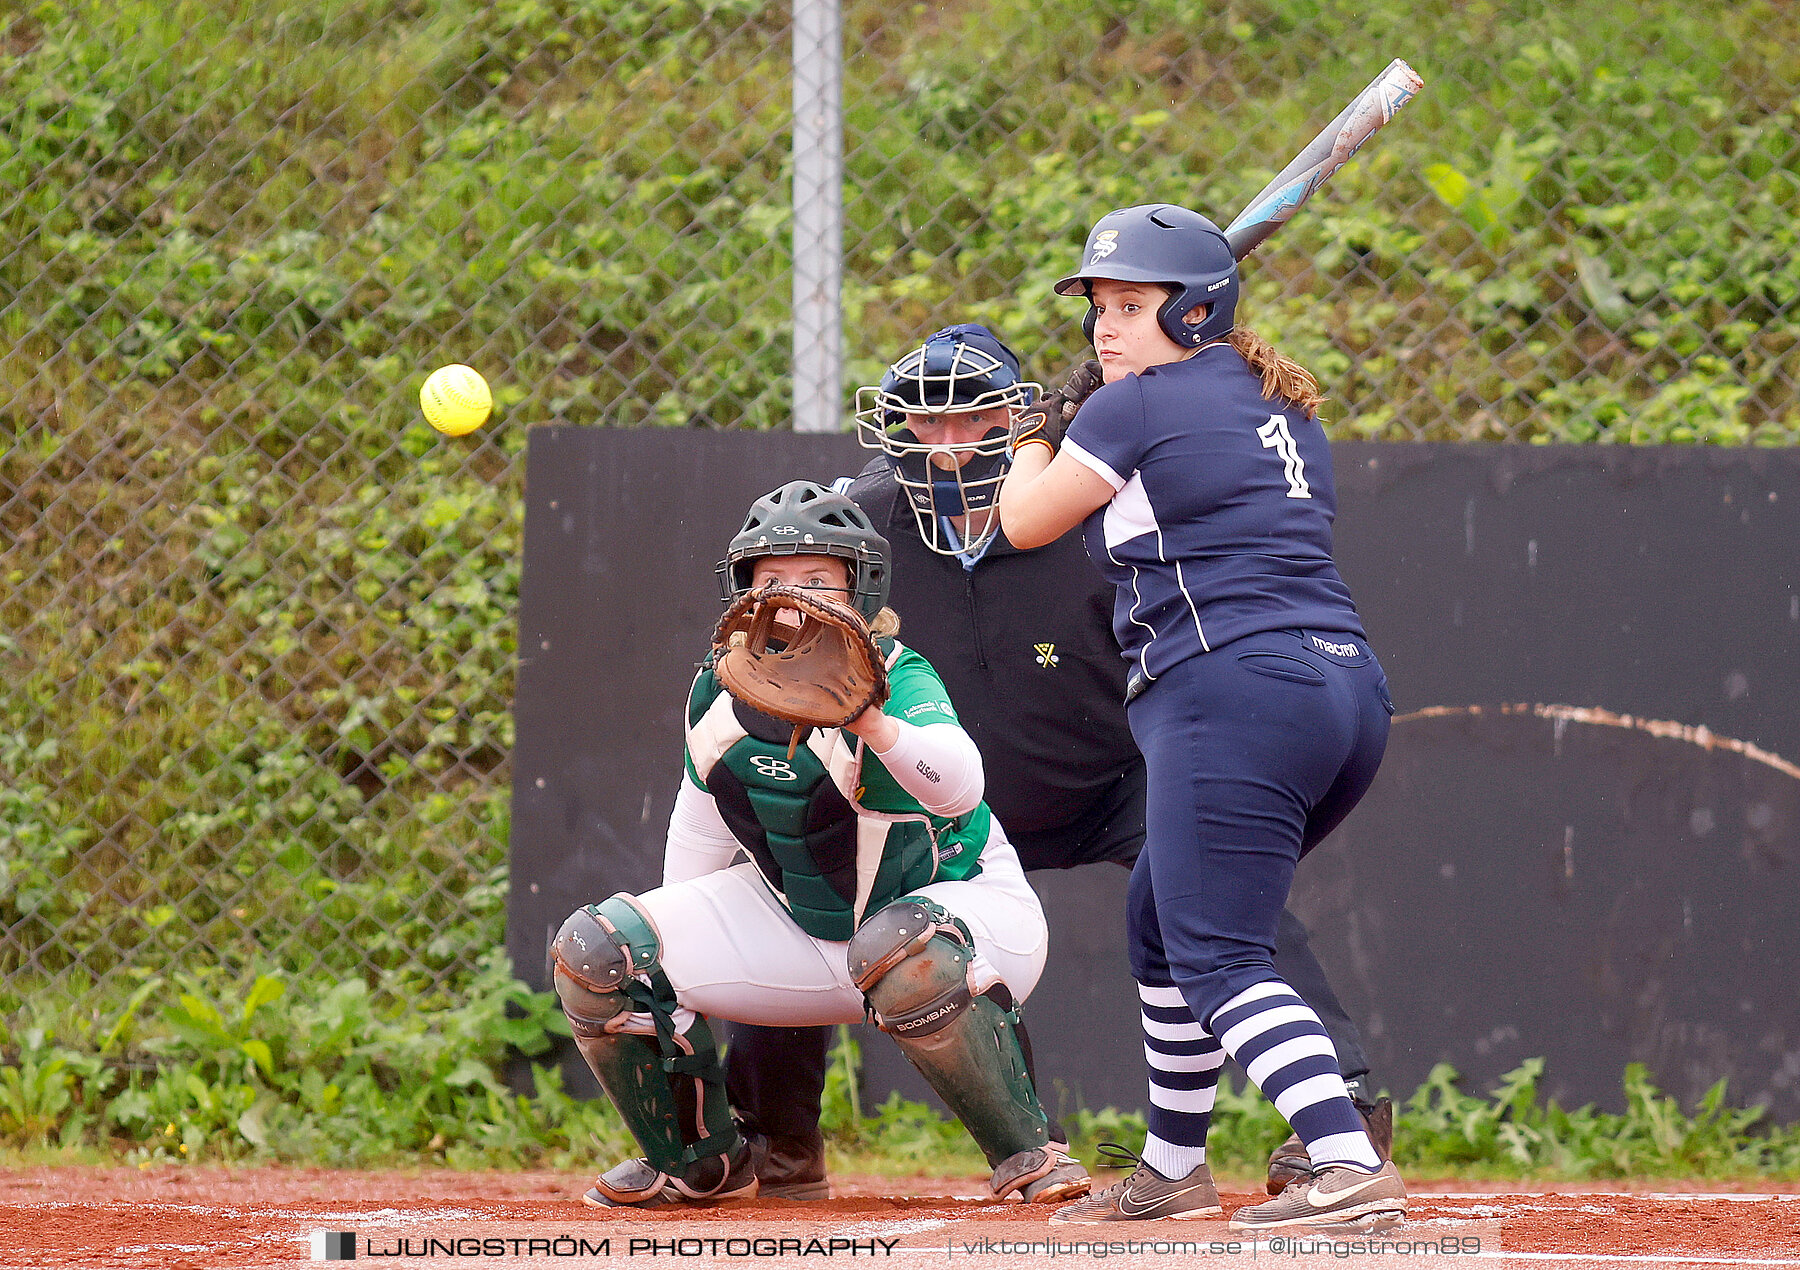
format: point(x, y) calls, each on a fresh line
point(951, 471)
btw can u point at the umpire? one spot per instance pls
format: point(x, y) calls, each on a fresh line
point(1024, 643)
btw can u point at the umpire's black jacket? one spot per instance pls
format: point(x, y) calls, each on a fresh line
point(1024, 643)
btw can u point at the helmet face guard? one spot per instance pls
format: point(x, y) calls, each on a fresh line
point(958, 370)
point(1172, 248)
point(805, 519)
point(970, 484)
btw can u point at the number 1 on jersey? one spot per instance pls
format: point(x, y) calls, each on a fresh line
point(1275, 436)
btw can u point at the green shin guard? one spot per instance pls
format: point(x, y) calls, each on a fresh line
point(911, 961)
point(975, 1066)
point(669, 1089)
point(630, 1070)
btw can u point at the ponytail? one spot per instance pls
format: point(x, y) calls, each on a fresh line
point(1283, 379)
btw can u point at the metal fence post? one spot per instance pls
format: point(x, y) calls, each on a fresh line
point(818, 215)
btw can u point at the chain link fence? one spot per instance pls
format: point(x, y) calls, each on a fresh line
point(257, 621)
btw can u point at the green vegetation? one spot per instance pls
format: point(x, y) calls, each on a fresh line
point(1441, 1131)
point(289, 744)
point(1584, 227)
point(257, 622)
point(200, 1069)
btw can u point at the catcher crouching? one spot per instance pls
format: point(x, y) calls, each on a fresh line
point(876, 883)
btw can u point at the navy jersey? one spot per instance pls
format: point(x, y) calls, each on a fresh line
point(1220, 523)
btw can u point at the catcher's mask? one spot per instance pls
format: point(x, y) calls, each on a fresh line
point(1173, 248)
point(804, 519)
point(957, 371)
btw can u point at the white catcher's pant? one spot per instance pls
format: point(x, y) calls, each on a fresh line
point(731, 951)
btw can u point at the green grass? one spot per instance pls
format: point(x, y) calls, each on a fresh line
point(594, 195)
point(257, 622)
point(204, 1068)
point(207, 1069)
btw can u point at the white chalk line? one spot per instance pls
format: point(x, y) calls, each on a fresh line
point(1494, 1208)
point(1666, 729)
point(1734, 1197)
point(1632, 1258)
point(1498, 1254)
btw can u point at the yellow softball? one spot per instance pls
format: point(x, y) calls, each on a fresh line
point(456, 400)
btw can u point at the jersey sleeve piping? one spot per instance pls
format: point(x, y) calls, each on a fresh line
point(1095, 464)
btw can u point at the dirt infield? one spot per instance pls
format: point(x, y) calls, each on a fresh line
point(199, 1218)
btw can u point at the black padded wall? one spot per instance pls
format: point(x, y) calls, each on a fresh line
point(1585, 840)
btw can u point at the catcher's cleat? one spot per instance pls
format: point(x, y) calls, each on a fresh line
point(1334, 1198)
point(1146, 1195)
point(1288, 1163)
point(1042, 1175)
point(790, 1168)
point(640, 1184)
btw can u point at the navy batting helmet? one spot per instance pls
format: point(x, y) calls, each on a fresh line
point(1169, 246)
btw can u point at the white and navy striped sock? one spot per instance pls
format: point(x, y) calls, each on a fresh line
point(1281, 1045)
point(1184, 1063)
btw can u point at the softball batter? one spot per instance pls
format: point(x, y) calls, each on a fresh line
point(1204, 480)
point(876, 879)
point(1023, 640)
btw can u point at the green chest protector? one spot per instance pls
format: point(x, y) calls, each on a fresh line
point(831, 864)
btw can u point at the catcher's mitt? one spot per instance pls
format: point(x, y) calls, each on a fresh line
point(794, 654)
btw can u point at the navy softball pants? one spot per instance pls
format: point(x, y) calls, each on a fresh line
point(1255, 751)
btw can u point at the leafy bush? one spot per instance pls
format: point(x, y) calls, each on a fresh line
point(316, 1072)
point(255, 681)
point(340, 1076)
point(1443, 1128)
point(1440, 1131)
point(252, 207)
point(36, 844)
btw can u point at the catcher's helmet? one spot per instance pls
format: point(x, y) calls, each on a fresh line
point(958, 370)
point(804, 519)
point(1174, 248)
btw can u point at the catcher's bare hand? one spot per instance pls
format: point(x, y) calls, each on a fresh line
point(1046, 420)
point(800, 656)
point(875, 728)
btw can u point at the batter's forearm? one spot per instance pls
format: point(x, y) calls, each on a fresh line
point(1018, 492)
